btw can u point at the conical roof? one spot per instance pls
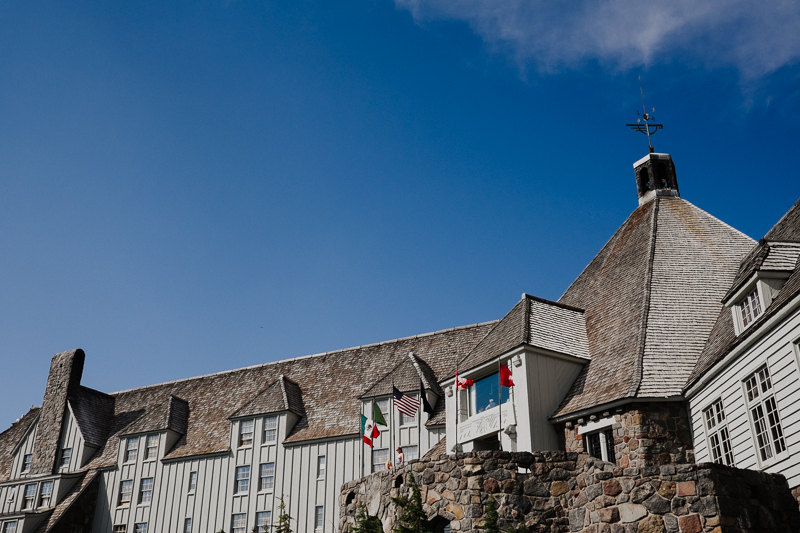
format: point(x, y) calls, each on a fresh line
point(651, 297)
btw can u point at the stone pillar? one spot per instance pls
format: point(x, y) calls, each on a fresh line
point(63, 381)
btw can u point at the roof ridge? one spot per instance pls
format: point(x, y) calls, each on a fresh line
point(302, 357)
point(526, 325)
point(551, 302)
point(282, 382)
point(636, 382)
point(743, 234)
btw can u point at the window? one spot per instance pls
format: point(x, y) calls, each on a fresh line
point(764, 414)
point(131, 449)
point(146, 491)
point(270, 429)
point(263, 520)
point(192, 481)
point(750, 307)
point(406, 420)
point(719, 441)
point(47, 492)
point(10, 527)
point(187, 525)
point(141, 527)
point(379, 458)
point(122, 528)
point(239, 523)
point(66, 454)
point(246, 433)
point(600, 444)
point(125, 491)
point(411, 452)
point(266, 476)
point(242, 479)
point(383, 405)
point(484, 393)
point(319, 515)
point(151, 448)
point(12, 491)
point(30, 496)
point(321, 466)
point(26, 462)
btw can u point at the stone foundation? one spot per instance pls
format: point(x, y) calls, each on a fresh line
point(569, 492)
point(645, 434)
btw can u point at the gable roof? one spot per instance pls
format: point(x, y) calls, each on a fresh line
point(10, 438)
point(331, 384)
point(767, 256)
point(171, 414)
point(787, 229)
point(552, 326)
point(282, 395)
point(651, 295)
point(406, 376)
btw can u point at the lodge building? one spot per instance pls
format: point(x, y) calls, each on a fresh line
point(677, 343)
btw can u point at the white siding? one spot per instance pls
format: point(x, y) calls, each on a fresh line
point(213, 503)
point(24, 448)
point(72, 439)
point(776, 348)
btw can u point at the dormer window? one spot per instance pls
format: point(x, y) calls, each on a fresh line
point(26, 463)
point(750, 307)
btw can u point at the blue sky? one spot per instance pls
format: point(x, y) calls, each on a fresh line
point(190, 187)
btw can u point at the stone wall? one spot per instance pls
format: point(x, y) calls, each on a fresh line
point(569, 492)
point(645, 434)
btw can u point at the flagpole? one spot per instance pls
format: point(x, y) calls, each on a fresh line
point(500, 400)
point(391, 426)
point(455, 446)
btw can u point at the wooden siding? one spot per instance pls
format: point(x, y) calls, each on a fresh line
point(72, 439)
point(213, 503)
point(24, 448)
point(777, 349)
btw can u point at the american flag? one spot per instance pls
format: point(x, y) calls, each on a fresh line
point(405, 403)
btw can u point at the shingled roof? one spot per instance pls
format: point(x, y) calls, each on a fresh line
point(10, 438)
point(787, 229)
point(651, 295)
point(282, 395)
point(405, 376)
point(93, 411)
point(331, 384)
point(535, 322)
point(785, 257)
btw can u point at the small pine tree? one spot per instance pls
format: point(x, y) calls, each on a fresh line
point(284, 520)
point(413, 519)
point(519, 528)
point(366, 523)
point(490, 520)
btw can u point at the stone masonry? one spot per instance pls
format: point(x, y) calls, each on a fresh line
point(645, 434)
point(569, 492)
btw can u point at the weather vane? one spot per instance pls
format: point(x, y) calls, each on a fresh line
point(646, 127)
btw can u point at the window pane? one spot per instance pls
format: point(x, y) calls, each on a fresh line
point(132, 449)
point(383, 405)
point(10, 527)
point(320, 515)
point(760, 425)
point(246, 432)
point(727, 449)
point(146, 490)
point(152, 447)
point(187, 525)
point(485, 392)
point(611, 454)
point(141, 527)
point(242, 478)
point(26, 462)
point(263, 520)
point(267, 476)
point(66, 453)
point(270, 429)
point(321, 466)
point(593, 445)
point(774, 425)
point(379, 458)
point(411, 452)
point(239, 523)
point(192, 481)
point(125, 491)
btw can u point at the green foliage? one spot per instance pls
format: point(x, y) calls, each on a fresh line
point(413, 519)
point(366, 523)
point(490, 519)
point(519, 528)
point(284, 520)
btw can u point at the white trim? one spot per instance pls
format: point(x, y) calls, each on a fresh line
point(597, 425)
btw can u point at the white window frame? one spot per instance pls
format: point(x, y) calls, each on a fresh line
point(10, 526)
point(140, 527)
point(12, 492)
point(145, 494)
point(245, 441)
point(737, 308)
point(270, 430)
point(762, 400)
point(266, 477)
point(28, 500)
point(123, 493)
point(321, 466)
point(242, 479)
point(599, 427)
point(151, 447)
point(27, 460)
point(131, 450)
point(263, 521)
point(187, 525)
point(241, 527)
point(410, 421)
point(192, 482)
point(65, 458)
point(407, 452)
point(319, 518)
point(380, 466)
point(718, 437)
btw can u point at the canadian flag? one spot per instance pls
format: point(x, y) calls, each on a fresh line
point(463, 383)
point(505, 377)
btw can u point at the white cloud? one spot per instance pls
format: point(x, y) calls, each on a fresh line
point(754, 37)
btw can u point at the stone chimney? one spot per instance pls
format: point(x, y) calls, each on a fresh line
point(63, 381)
point(655, 178)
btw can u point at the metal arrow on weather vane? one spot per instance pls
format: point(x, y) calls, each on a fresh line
point(645, 127)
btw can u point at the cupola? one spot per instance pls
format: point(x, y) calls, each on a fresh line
point(655, 177)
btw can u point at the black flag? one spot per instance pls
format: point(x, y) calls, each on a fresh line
point(425, 405)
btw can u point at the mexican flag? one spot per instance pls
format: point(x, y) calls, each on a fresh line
point(369, 430)
point(369, 427)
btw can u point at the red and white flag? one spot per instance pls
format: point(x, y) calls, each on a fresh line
point(505, 377)
point(463, 383)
